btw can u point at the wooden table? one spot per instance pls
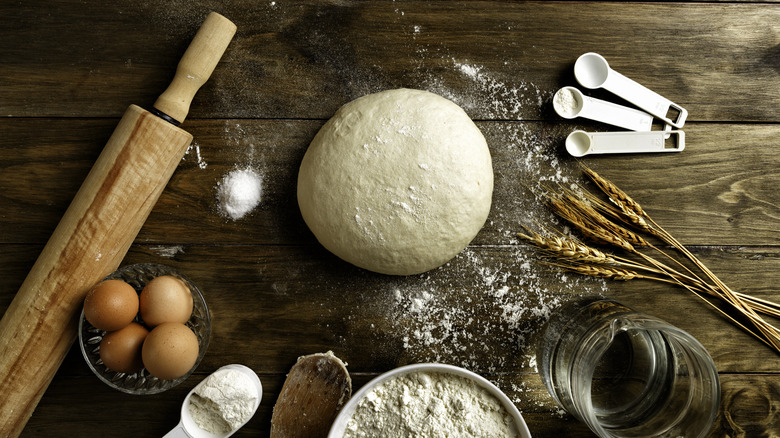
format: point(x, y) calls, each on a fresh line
point(70, 68)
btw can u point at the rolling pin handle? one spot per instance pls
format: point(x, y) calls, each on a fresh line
point(195, 67)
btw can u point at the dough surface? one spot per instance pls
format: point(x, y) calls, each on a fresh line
point(396, 182)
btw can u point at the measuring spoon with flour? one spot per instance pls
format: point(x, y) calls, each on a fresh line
point(593, 71)
point(569, 103)
point(187, 428)
point(581, 143)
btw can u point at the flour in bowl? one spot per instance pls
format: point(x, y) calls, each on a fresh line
point(428, 405)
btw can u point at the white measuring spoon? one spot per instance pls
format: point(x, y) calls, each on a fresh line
point(593, 71)
point(569, 103)
point(581, 143)
point(187, 428)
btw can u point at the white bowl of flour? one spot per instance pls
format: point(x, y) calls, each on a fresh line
point(429, 400)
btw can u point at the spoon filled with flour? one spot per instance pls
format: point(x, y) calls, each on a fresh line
point(220, 405)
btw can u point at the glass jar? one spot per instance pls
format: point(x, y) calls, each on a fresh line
point(627, 374)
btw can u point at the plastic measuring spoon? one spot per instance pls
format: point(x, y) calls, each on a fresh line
point(187, 428)
point(569, 103)
point(581, 143)
point(593, 71)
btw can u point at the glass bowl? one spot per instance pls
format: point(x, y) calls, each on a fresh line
point(340, 424)
point(142, 382)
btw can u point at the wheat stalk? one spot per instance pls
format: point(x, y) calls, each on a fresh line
point(572, 251)
point(586, 227)
point(586, 210)
point(562, 247)
point(579, 211)
point(575, 253)
point(600, 221)
point(601, 271)
point(625, 203)
point(770, 334)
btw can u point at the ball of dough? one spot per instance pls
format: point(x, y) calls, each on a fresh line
point(396, 182)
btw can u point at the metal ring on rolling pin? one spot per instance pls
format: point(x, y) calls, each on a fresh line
point(165, 117)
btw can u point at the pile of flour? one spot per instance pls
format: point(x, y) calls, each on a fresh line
point(239, 192)
point(428, 405)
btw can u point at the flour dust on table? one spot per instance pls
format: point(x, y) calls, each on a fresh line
point(194, 150)
point(440, 319)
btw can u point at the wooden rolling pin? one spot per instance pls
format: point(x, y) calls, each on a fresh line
point(97, 229)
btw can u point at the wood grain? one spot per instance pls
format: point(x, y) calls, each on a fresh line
point(305, 60)
point(748, 407)
point(735, 208)
point(275, 294)
point(268, 298)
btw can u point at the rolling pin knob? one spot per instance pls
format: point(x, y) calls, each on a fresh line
point(195, 67)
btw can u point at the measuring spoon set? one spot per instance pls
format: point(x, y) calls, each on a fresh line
point(592, 71)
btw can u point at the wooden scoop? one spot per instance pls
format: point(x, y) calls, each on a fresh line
point(316, 388)
point(97, 229)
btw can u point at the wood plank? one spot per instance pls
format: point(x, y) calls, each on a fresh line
point(307, 59)
point(747, 407)
point(719, 191)
point(57, 408)
point(482, 311)
point(70, 69)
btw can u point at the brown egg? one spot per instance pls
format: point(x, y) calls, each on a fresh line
point(121, 350)
point(111, 305)
point(165, 299)
point(170, 350)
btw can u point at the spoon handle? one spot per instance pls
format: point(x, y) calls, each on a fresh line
point(645, 98)
point(616, 115)
point(580, 143)
point(177, 432)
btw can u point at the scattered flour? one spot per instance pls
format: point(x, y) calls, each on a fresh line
point(469, 70)
point(168, 251)
point(239, 192)
point(430, 405)
point(496, 98)
point(224, 402)
point(194, 148)
point(446, 317)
